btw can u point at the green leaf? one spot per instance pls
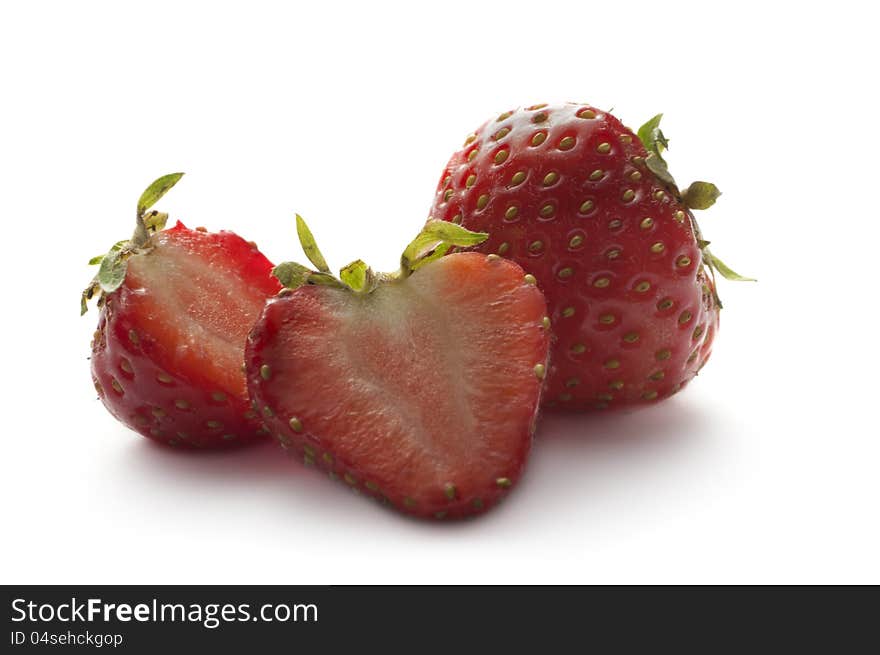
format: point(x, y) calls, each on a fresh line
point(156, 190)
point(649, 132)
point(437, 253)
point(111, 274)
point(87, 295)
point(725, 270)
point(658, 167)
point(354, 275)
point(155, 221)
point(310, 248)
point(291, 274)
point(325, 280)
point(434, 234)
point(359, 276)
point(700, 195)
point(94, 261)
point(661, 143)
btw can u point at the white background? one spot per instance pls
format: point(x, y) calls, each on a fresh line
point(764, 470)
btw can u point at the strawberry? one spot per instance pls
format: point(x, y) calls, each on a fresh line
point(580, 202)
point(418, 388)
point(176, 306)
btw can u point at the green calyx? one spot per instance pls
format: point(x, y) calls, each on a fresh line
point(434, 241)
point(655, 143)
point(698, 196)
point(726, 272)
point(310, 248)
point(113, 265)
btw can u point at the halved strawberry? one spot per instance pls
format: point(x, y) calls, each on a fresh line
point(176, 307)
point(419, 388)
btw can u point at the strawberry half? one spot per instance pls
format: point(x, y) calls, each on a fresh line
point(176, 307)
point(418, 388)
point(579, 201)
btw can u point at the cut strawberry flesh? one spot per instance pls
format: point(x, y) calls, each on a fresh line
point(197, 304)
point(427, 384)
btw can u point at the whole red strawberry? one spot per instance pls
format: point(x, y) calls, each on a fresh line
point(579, 201)
point(176, 306)
point(418, 388)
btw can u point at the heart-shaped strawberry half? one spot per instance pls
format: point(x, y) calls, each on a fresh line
point(419, 388)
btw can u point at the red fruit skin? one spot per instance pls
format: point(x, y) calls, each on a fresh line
point(309, 390)
point(155, 386)
point(632, 308)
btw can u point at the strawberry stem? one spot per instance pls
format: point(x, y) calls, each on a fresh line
point(114, 264)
